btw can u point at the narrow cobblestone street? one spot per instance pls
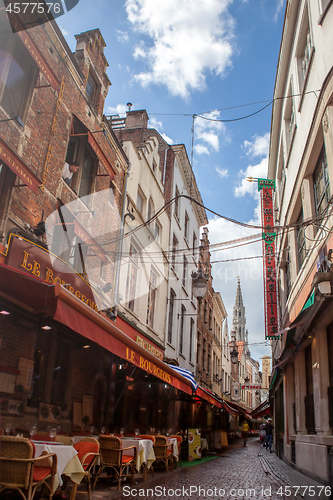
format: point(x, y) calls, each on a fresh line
point(237, 473)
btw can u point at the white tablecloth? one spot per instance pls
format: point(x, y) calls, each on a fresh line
point(68, 462)
point(174, 443)
point(144, 451)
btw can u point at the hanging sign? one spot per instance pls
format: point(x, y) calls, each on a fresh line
point(267, 188)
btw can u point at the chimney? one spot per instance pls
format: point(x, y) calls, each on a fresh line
point(137, 119)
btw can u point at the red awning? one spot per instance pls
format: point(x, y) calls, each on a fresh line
point(229, 408)
point(210, 398)
point(18, 167)
point(37, 296)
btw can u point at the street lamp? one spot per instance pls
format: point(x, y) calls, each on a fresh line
point(200, 284)
point(234, 356)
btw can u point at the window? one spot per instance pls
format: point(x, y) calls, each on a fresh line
point(91, 88)
point(151, 299)
point(157, 232)
point(139, 202)
point(184, 272)
point(18, 72)
point(304, 50)
point(186, 226)
point(171, 311)
point(150, 210)
point(181, 333)
point(174, 251)
point(321, 184)
point(132, 276)
point(290, 119)
point(301, 241)
point(79, 150)
point(191, 339)
point(103, 271)
point(87, 172)
point(177, 203)
point(288, 274)
point(52, 365)
point(194, 243)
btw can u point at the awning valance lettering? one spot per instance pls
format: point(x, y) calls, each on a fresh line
point(37, 296)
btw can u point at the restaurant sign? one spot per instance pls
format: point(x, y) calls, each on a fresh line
point(148, 366)
point(149, 347)
point(267, 188)
point(250, 387)
point(32, 259)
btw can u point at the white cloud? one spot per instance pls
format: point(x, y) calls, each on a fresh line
point(258, 146)
point(207, 132)
point(279, 7)
point(201, 150)
point(63, 31)
point(120, 110)
point(122, 36)
point(167, 139)
point(156, 124)
point(186, 41)
point(256, 171)
point(223, 172)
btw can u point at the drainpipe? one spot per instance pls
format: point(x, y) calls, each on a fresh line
point(114, 308)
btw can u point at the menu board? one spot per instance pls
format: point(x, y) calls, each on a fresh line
point(26, 369)
point(7, 382)
point(194, 444)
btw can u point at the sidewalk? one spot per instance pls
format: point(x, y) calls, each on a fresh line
point(238, 473)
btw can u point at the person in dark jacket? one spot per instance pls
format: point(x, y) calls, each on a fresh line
point(269, 435)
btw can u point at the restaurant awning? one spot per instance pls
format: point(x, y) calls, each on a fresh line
point(204, 394)
point(261, 410)
point(38, 297)
point(229, 408)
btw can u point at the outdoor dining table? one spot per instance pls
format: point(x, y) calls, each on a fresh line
point(145, 454)
point(175, 450)
point(68, 462)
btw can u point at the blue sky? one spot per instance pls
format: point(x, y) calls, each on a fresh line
point(177, 58)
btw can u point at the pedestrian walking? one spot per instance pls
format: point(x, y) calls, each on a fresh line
point(262, 433)
point(245, 431)
point(269, 434)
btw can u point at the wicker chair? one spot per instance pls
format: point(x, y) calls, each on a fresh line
point(88, 451)
point(114, 458)
point(163, 452)
point(19, 470)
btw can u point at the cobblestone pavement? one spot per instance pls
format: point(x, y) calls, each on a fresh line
point(239, 473)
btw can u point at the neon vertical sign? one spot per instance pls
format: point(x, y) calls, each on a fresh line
point(267, 188)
